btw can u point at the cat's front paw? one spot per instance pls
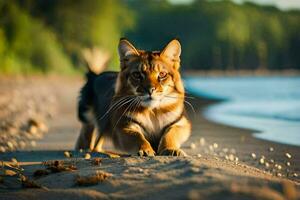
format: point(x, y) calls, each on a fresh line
point(146, 150)
point(172, 152)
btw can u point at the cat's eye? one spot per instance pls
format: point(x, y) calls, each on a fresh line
point(136, 75)
point(162, 75)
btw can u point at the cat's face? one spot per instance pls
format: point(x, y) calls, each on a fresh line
point(151, 76)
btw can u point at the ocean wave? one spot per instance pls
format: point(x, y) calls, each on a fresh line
point(270, 105)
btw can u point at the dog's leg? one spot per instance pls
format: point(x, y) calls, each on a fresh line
point(86, 139)
point(99, 143)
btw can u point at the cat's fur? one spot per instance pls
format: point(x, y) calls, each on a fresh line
point(141, 108)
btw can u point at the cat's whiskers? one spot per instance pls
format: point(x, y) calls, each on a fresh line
point(111, 108)
point(192, 107)
point(115, 106)
point(132, 101)
point(126, 102)
point(136, 106)
point(186, 101)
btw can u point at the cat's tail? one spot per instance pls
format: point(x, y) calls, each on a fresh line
point(96, 59)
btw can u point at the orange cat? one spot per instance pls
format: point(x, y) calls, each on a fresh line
point(141, 108)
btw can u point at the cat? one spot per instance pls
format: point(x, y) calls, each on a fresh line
point(141, 108)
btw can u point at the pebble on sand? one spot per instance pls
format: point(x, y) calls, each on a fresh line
point(202, 141)
point(140, 170)
point(267, 165)
point(193, 146)
point(262, 161)
point(215, 145)
point(87, 156)
point(33, 129)
point(231, 157)
point(199, 155)
point(2, 149)
point(288, 155)
point(67, 154)
point(10, 145)
point(236, 159)
point(279, 167)
point(271, 149)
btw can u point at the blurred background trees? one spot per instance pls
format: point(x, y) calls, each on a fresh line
point(48, 36)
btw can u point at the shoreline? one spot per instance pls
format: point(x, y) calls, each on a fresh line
point(242, 141)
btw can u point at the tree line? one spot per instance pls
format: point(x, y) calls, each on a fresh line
point(48, 36)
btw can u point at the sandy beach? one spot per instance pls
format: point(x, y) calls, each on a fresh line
point(224, 162)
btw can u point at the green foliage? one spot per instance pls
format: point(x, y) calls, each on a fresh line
point(100, 24)
point(48, 36)
point(27, 46)
point(85, 24)
point(221, 34)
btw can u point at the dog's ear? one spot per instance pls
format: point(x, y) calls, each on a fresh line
point(126, 49)
point(172, 52)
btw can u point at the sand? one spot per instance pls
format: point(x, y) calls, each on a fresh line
point(158, 178)
point(220, 164)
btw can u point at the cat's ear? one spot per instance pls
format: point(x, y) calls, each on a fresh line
point(172, 52)
point(126, 49)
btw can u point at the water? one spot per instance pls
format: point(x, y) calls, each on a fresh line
point(269, 105)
